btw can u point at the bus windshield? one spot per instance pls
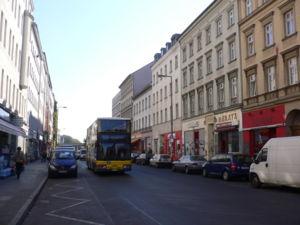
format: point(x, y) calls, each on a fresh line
point(113, 151)
point(114, 126)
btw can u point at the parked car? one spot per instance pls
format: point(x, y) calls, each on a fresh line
point(141, 159)
point(277, 163)
point(82, 154)
point(189, 163)
point(160, 160)
point(134, 155)
point(62, 162)
point(228, 166)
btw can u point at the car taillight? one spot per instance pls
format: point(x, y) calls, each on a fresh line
point(233, 166)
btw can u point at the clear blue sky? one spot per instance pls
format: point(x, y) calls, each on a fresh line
point(92, 45)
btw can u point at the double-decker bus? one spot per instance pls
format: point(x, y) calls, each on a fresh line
point(108, 145)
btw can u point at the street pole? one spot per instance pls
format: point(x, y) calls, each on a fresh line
point(171, 147)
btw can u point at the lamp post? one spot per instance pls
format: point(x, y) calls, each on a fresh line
point(171, 114)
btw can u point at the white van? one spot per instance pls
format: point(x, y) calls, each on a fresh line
point(278, 162)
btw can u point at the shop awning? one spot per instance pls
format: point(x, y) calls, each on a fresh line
point(11, 129)
point(135, 140)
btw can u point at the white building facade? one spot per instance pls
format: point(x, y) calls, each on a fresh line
point(116, 105)
point(25, 85)
point(167, 64)
point(211, 81)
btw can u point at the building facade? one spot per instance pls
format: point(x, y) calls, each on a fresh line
point(141, 113)
point(126, 89)
point(270, 47)
point(163, 88)
point(26, 95)
point(116, 105)
point(211, 82)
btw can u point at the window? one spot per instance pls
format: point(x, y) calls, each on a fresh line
point(149, 98)
point(176, 111)
point(271, 78)
point(192, 103)
point(157, 97)
point(292, 71)
point(157, 118)
point(269, 34)
point(289, 23)
point(184, 76)
point(171, 66)
point(219, 27)
point(208, 64)
point(221, 94)
point(146, 103)
point(220, 58)
point(230, 17)
point(19, 16)
point(161, 94)
point(9, 42)
point(166, 70)
point(184, 54)
point(232, 55)
point(262, 155)
point(199, 46)
point(161, 116)
point(250, 45)
point(249, 7)
point(5, 29)
point(1, 25)
point(200, 100)
point(143, 105)
point(233, 87)
point(149, 121)
point(191, 46)
point(153, 80)
point(176, 85)
point(153, 98)
point(252, 85)
point(210, 97)
point(2, 85)
point(176, 62)
point(166, 92)
point(208, 35)
point(200, 69)
point(153, 119)
point(166, 114)
point(185, 106)
point(191, 74)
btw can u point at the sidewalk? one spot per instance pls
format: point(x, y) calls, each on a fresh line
point(16, 195)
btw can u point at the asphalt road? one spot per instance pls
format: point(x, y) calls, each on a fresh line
point(150, 196)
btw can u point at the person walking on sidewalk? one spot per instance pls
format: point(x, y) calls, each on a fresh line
point(19, 159)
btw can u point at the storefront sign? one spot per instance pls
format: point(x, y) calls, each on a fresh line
point(227, 119)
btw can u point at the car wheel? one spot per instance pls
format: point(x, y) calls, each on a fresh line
point(225, 176)
point(204, 173)
point(255, 182)
point(186, 170)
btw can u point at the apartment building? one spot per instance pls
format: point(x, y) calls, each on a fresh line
point(166, 112)
point(141, 113)
point(270, 47)
point(211, 81)
point(116, 105)
point(26, 96)
point(126, 89)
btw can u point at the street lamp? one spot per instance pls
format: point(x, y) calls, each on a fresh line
point(171, 87)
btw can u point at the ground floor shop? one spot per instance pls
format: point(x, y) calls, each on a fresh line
point(141, 141)
point(260, 125)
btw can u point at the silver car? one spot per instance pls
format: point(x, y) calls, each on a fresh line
point(189, 163)
point(160, 160)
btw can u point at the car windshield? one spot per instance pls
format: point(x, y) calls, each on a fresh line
point(242, 159)
point(63, 155)
point(83, 151)
point(197, 158)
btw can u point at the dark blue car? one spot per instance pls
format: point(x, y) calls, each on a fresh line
point(62, 162)
point(228, 166)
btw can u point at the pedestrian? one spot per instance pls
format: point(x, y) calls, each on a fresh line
point(19, 159)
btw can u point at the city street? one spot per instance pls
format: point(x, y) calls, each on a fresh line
point(150, 196)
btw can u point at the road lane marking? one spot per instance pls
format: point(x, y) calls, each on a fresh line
point(74, 219)
point(141, 211)
point(98, 201)
point(58, 195)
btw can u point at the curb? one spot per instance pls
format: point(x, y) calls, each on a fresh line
point(21, 214)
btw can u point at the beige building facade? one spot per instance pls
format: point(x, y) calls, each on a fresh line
point(211, 81)
point(270, 47)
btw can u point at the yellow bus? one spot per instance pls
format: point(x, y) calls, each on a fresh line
point(108, 145)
